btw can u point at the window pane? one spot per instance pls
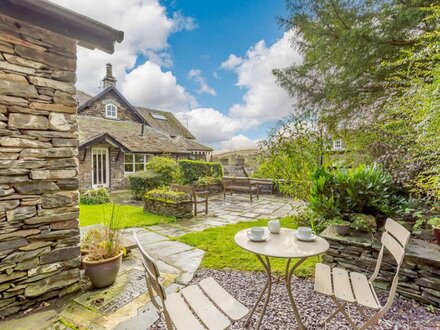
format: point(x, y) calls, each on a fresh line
point(139, 159)
point(139, 167)
point(128, 158)
point(128, 167)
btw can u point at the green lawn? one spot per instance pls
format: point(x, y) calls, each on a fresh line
point(223, 253)
point(128, 216)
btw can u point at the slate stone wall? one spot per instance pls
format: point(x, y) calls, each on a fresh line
point(182, 210)
point(419, 276)
point(97, 109)
point(39, 231)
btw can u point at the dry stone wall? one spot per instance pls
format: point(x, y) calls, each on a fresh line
point(419, 276)
point(39, 231)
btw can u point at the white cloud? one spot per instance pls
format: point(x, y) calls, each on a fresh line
point(232, 62)
point(238, 142)
point(150, 86)
point(209, 125)
point(203, 88)
point(146, 27)
point(264, 98)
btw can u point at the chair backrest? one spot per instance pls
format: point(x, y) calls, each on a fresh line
point(152, 277)
point(394, 239)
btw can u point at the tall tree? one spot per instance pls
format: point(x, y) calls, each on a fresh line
point(344, 44)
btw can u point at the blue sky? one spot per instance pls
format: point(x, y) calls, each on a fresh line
point(209, 62)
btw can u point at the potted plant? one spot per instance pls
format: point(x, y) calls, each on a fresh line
point(435, 224)
point(104, 253)
point(341, 226)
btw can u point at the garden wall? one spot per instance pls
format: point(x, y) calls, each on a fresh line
point(39, 234)
point(419, 277)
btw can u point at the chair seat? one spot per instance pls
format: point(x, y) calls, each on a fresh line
point(349, 287)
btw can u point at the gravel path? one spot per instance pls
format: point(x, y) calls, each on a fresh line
point(245, 286)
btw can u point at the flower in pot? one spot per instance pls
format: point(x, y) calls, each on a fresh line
point(341, 226)
point(104, 253)
point(435, 224)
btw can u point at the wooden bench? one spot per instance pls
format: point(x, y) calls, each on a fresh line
point(241, 185)
point(197, 198)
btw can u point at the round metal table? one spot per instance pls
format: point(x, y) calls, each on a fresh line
point(282, 245)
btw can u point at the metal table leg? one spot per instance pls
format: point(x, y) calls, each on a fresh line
point(267, 287)
point(289, 274)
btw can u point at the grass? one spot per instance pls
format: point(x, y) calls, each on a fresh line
point(223, 253)
point(129, 216)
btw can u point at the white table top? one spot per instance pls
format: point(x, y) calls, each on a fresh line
point(282, 245)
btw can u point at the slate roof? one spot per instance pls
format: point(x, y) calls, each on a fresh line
point(170, 126)
point(128, 134)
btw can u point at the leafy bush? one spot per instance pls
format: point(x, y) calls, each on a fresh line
point(307, 218)
point(141, 182)
point(207, 180)
point(192, 170)
point(364, 189)
point(363, 222)
point(95, 196)
point(166, 167)
point(167, 196)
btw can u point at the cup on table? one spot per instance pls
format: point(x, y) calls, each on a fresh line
point(256, 232)
point(274, 226)
point(305, 232)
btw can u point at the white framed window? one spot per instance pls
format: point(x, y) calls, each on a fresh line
point(135, 162)
point(111, 111)
point(337, 144)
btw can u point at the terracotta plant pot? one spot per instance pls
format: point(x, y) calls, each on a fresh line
point(436, 232)
point(103, 273)
point(342, 229)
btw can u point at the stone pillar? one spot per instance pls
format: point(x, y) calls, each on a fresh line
point(39, 230)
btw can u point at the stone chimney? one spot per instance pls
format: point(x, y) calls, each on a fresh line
point(109, 80)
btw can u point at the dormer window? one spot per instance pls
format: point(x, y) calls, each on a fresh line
point(111, 111)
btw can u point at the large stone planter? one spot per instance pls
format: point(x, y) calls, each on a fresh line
point(179, 210)
point(419, 277)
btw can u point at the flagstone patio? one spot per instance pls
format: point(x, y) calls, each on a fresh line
point(125, 305)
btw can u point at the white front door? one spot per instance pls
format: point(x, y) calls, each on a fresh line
point(100, 167)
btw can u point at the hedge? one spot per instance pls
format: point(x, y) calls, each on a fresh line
point(141, 182)
point(192, 170)
point(167, 196)
point(165, 166)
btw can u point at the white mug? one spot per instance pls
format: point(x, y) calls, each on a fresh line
point(305, 232)
point(256, 232)
point(274, 226)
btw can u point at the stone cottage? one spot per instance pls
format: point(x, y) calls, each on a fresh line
point(117, 138)
point(39, 230)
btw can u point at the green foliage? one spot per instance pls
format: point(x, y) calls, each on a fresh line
point(142, 181)
point(339, 222)
point(434, 223)
point(343, 45)
point(364, 189)
point(363, 222)
point(166, 167)
point(290, 155)
point(167, 196)
point(207, 180)
point(221, 252)
point(95, 196)
point(192, 170)
point(134, 216)
point(308, 218)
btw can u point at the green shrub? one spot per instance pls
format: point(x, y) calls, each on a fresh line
point(363, 222)
point(95, 196)
point(166, 167)
point(141, 182)
point(308, 218)
point(364, 189)
point(191, 170)
point(167, 196)
point(207, 180)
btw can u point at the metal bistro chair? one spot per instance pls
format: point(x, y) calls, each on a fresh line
point(212, 304)
point(355, 287)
